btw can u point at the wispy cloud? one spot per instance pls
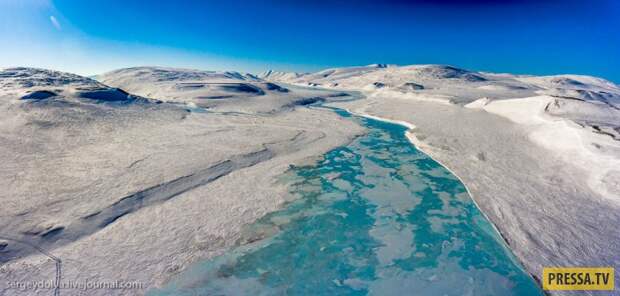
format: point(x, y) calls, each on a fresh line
point(55, 22)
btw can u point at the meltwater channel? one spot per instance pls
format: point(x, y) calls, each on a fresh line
point(374, 217)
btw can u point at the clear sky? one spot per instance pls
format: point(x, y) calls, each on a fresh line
point(528, 37)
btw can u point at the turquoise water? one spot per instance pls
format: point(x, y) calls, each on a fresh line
point(375, 217)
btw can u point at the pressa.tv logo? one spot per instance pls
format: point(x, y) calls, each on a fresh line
point(578, 278)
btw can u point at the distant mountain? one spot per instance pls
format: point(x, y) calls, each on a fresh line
point(454, 84)
point(279, 75)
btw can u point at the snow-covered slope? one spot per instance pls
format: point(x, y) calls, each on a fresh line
point(123, 187)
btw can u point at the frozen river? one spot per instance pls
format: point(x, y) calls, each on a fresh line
point(375, 217)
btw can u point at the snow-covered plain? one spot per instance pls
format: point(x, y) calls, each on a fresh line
point(540, 155)
point(146, 170)
point(120, 187)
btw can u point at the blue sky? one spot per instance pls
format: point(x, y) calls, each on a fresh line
point(529, 37)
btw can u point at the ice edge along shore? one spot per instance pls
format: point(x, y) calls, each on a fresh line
point(409, 134)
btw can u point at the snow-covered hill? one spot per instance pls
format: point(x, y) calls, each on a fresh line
point(217, 91)
point(454, 84)
point(40, 85)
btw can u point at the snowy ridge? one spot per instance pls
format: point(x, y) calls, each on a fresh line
point(43, 86)
point(172, 74)
point(218, 91)
point(279, 75)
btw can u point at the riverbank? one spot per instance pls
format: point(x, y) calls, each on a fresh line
point(542, 206)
